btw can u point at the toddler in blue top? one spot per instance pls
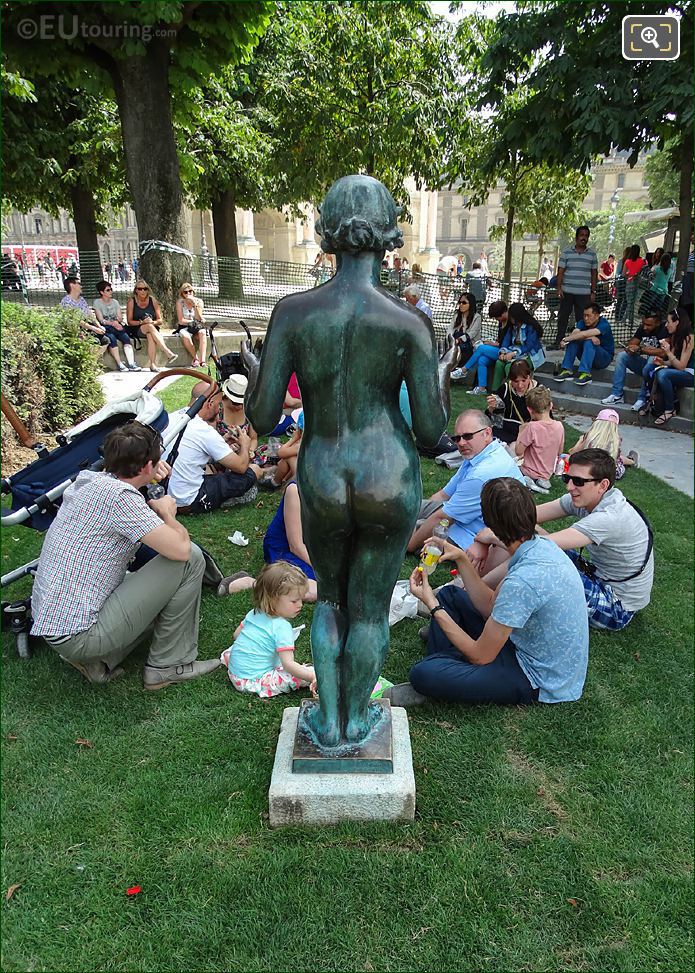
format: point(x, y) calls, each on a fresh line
point(261, 658)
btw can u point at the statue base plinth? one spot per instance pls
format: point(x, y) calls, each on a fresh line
point(374, 756)
point(354, 795)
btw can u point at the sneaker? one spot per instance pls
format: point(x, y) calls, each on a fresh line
point(639, 404)
point(563, 375)
point(268, 483)
point(424, 632)
point(478, 390)
point(613, 399)
point(122, 367)
point(584, 378)
point(634, 456)
point(247, 497)
point(134, 368)
point(154, 678)
point(456, 374)
point(95, 672)
point(543, 484)
point(534, 485)
point(403, 694)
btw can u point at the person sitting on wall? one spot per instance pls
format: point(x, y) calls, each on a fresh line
point(525, 642)
point(591, 342)
point(74, 301)
point(191, 324)
point(108, 313)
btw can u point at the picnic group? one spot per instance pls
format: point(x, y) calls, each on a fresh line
point(511, 626)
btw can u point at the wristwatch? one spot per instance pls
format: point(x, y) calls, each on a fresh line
point(437, 608)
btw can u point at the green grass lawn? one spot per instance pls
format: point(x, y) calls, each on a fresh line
point(548, 838)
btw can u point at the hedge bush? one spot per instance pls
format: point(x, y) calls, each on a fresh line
point(49, 372)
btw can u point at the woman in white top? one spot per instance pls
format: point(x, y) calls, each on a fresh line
point(108, 312)
point(191, 324)
point(467, 330)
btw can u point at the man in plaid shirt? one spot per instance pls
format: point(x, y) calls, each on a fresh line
point(84, 603)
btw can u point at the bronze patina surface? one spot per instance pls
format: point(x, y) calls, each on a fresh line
point(374, 755)
point(352, 344)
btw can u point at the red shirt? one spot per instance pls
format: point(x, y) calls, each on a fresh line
point(633, 267)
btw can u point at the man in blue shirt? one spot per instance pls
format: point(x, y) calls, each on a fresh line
point(484, 458)
point(412, 296)
point(591, 342)
point(527, 641)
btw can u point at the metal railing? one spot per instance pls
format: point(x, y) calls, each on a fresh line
point(233, 289)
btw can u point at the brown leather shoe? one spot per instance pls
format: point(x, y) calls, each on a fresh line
point(96, 671)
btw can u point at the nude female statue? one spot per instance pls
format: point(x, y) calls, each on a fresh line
point(351, 344)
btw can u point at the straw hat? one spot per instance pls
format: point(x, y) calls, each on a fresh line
point(234, 388)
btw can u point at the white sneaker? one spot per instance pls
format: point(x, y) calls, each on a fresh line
point(534, 486)
point(639, 404)
point(457, 373)
point(122, 367)
point(478, 390)
point(611, 399)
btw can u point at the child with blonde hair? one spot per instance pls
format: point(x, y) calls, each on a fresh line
point(540, 441)
point(603, 434)
point(261, 658)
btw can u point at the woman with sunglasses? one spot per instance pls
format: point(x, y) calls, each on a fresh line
point(108, 312)
point(521, 338)
point(675, 371)
point(191, 324)
point(144, 318)
point(467, 330)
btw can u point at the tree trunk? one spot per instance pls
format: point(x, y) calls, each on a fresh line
point(227, 245)
point(685, 202)
point(141, 85)
point(541, 245)
point(84, 217)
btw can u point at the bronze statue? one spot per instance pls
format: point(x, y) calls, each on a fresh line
point(352, 344)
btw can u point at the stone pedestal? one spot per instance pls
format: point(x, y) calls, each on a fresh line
point(305, 798)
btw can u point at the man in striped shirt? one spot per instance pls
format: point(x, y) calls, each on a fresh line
point(576, 281)
point(84, 603)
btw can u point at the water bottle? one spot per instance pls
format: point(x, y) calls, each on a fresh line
point(155, 491)
point(561, 465)
point(456, 578)
point(434, 547)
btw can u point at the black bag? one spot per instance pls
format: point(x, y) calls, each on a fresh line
point(445, 445)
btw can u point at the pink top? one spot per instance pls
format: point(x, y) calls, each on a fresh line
point(633, 267)
point(293, 387)
point(544, 442)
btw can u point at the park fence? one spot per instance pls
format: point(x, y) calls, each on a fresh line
point(249, 289)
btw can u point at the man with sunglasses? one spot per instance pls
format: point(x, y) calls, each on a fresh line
point(484, 458)
point(196, 491)
point(618, 579)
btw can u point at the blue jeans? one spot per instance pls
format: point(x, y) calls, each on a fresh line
point(668, 379)
point(589, 355)
point(113, 336)
point(482, 357)
point(445, 674)
point(625, 361)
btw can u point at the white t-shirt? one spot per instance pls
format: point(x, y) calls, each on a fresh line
point(200, 445)
point(617, 543)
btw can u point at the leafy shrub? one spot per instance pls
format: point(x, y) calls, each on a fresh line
point(49, 372)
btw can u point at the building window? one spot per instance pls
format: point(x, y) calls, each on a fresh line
point(464, 229)
point(621, 180)
point(38, 225)
point(501, 220)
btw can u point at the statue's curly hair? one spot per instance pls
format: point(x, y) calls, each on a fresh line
point(359, 214)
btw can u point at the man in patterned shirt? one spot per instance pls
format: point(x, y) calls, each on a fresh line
point(86, 606)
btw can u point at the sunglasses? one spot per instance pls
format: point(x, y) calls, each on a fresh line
point(579, 481)
point(142, 288)
point(189, 291)
point(467, 436)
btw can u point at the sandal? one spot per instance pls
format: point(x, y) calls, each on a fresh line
point(195, 363)
point(665, 417)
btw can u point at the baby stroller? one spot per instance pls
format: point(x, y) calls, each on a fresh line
point(37, 490)
point(232, 363)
